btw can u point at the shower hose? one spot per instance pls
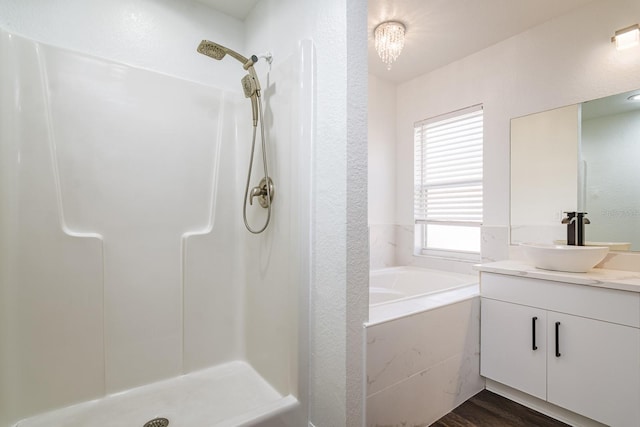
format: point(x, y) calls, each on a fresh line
point(266, 173)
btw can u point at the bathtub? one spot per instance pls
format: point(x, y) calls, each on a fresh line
point(401, 291)
point(423, 345)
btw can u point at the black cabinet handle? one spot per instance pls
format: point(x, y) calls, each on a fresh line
point(533, 333)
point(558, 339)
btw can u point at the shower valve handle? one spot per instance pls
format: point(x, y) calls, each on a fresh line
point(261, 193)
point(255, 192)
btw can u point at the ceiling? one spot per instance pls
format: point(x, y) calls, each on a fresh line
point(238, 9)
point(442, 31)
point(439, 31)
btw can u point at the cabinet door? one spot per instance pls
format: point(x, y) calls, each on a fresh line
point(597, 370)
point(507, 353)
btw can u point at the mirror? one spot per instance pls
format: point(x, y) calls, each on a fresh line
point(583, 157)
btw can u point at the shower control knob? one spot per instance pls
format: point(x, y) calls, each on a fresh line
point(261, 193)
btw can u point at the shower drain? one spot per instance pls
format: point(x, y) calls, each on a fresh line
point(157, 422)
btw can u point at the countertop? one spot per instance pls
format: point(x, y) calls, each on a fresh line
point(598, 277)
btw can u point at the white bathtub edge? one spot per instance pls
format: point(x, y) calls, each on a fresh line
point(408, 307)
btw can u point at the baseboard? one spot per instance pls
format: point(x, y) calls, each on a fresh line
point(542, 406)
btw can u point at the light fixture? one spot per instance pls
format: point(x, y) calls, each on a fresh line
point(627, 37)
point(389, 39)
point(635, 97)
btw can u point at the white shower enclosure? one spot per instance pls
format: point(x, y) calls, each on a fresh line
point(124, 262)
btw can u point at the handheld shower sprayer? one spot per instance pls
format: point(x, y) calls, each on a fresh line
point(251, 87)
point(251, 90)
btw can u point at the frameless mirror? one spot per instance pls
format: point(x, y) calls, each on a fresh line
point(583, 157)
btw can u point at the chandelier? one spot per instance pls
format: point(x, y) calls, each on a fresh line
point(389, 41)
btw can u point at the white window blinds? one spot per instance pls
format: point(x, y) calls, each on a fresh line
point(448, 168)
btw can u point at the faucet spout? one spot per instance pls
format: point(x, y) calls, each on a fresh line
point(581, 221)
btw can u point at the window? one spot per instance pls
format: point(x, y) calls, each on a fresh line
point(448, 183)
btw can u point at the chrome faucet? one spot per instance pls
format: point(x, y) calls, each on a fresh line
point(575, 227)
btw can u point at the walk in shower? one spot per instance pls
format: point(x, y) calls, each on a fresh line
point(130, 290)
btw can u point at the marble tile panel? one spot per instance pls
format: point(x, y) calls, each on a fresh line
point(428, 395)
point(382, 246)
point(404, 244)
point(538, 233)
point(399, 349)
point(495, 243)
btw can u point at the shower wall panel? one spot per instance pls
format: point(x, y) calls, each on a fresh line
point(274, 287)
point(117, 222)
point(51, 340)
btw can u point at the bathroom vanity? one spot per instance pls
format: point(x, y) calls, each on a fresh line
point(568, 339)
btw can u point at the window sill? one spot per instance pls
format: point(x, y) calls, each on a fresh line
point(469, 257)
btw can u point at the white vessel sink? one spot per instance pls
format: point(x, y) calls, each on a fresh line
point(574, 259)
point(613, 246)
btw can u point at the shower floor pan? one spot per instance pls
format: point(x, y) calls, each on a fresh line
point(232, 394)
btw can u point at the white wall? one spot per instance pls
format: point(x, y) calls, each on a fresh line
point(564, 61)
point(159, 35)
point(382, 150)
point(382, 172)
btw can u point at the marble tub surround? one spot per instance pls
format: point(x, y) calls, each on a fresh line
point(417, 372)
point(495, 243)
point(382, 246)
point(598, 277)
point(495, 246)
point(405, 244)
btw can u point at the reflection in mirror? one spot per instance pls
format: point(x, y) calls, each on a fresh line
point(581, 157)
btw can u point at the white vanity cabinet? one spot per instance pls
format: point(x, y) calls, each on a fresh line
point(506, 346)
point(572, 345)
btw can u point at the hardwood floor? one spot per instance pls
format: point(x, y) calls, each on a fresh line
point(487, 409)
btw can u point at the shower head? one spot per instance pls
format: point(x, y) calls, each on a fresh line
point(216, 51)
point(211, 49)
point(250, 83)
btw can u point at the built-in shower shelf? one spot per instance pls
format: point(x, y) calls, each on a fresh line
point(232, 394)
